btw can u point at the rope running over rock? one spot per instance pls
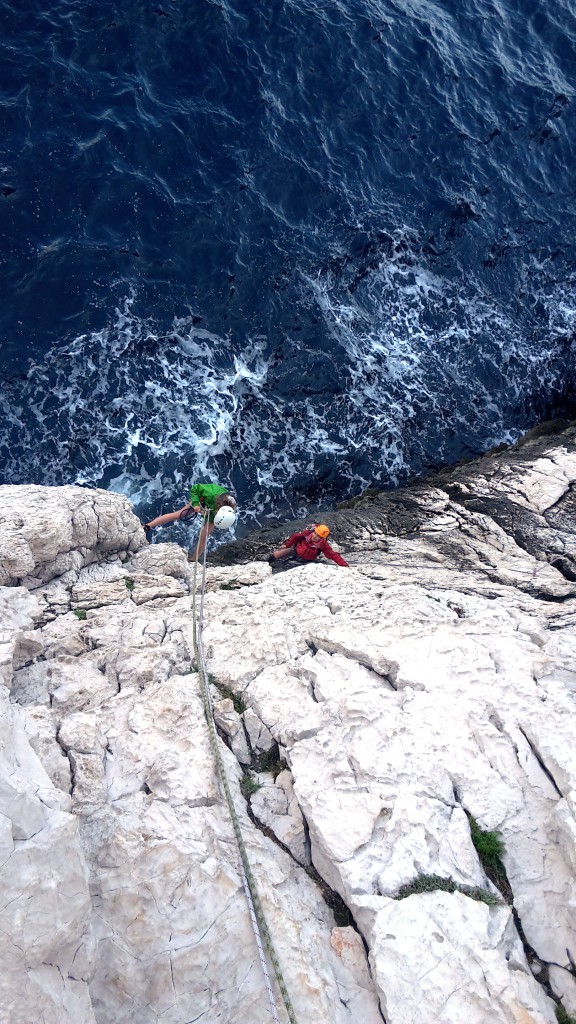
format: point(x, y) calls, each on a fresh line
point(259, 925)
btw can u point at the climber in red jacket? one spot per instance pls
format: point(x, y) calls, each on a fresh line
point(307, 545)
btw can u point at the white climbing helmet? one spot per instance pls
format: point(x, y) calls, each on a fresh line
point(225, 518)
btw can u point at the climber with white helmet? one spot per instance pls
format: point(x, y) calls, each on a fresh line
point(307, 545)
point(213, 501)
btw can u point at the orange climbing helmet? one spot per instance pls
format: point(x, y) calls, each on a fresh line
point(322, 530)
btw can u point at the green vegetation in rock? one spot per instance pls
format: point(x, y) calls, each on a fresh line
point(489, 847)
point(231, 585)
point(433, 883)
point(80, 614)
point(563, 1017)
point(129, 584)
point(228, 694)
point(269, 761)
point(490, 850)
point(249, 784)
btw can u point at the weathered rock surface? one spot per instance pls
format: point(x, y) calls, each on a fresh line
point(54, 531)
point(231, 725)
point(45, 948)
point(275, 806)
point(381, 708)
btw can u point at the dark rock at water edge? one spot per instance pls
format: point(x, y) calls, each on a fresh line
point(476, 487)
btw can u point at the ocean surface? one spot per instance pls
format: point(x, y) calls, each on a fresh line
point(294, 247)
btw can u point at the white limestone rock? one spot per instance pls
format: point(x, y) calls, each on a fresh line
point(99, 595)
point(53, 599)
point(399, 768)
point(139, 587)
point(128, 645)
point(353, 975)
point(18, 609)
point(75, 687)
point(275, 806)
point(422, 974)
point(48, 531)
point(236, 576)
point(51, 998)
point(563, 986)
point(107, 570)
point(160, 560)
point(230, 722)
point(45, 904)
point(66, 636)
point(30, 685)
point(41, 729)
point(6, 663)
point(282, 700)
point(539, 485)
point(167, 900)
point(80, 732)
point(145, 587)
point(261, 739)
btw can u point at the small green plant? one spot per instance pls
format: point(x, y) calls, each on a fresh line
point(481, 895)
point(129, 584)
point(80, 614)
point(425, 883)
point(249, 784)
point(269, 761)
point(433, 883)
point(236, 698)
point(489, 847)
point(228, 694)
point(231, 585)
point(563, 1017)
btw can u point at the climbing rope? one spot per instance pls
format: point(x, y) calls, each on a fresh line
point(259, 925)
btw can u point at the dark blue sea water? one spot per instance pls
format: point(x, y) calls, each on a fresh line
point(296, 247)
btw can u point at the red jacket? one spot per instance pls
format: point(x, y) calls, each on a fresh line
point(309, 551)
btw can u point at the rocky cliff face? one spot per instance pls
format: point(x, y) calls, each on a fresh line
point(379, 724)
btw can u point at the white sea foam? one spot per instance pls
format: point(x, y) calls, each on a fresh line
point(426, 366)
